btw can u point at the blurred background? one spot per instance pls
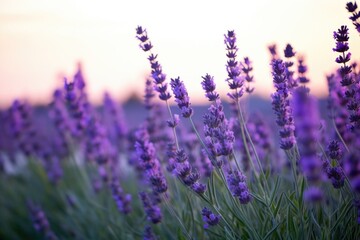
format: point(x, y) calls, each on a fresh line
point(43, 41)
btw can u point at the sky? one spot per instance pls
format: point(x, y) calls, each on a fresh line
point(42, 41)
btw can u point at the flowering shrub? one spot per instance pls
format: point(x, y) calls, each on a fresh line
point(78, 172)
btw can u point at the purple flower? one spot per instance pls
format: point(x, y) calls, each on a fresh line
point(260, 135)
point(219, 138)
point(152, 210)
point(237, 185)
point(273, 51)
point(156, 69)
point(183, 170)
point(121, 199)
point(281, 105)
point(337, 103)
point(199, 188)
point(77, 105)
point(114, 122)
point(206, 163)
point(209, 218)
point(347, 79)
point(209, 87)
point(181, 97)
point(334, 151)
point(149, 94)
point(234, 80)
point(289, 53)
point(247, 68)
point(146, 154)
point(98, 147)
point(307, 121)
point(352, 8)
point(145, 43)
point(352, 169)
point(313, 194)
point(40, 221)
point(148, 234)
point(51, 163)
point(20, 127)
point(302, 69)
point(337, 176)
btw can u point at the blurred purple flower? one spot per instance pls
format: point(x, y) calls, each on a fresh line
point(313, 194)
point(247, 68)
point(40, 221)
point(273, 51)
point(307, 122)
point(352, 8)
point(121, 199)
point(352, 169)
point(114, 122)
point(302, 69)
point(152, 210)
point(146, 154)
point(209, 218)
point(148, 234)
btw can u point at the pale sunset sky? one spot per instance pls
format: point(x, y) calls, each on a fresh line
point(41, 41)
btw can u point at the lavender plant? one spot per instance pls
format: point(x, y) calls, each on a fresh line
point(218, 176)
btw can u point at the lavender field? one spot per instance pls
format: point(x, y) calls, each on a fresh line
point(160, 167)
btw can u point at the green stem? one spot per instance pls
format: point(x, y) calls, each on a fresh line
point(174, 213)
point(173, 129)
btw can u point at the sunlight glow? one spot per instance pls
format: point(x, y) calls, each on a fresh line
point(43, 40)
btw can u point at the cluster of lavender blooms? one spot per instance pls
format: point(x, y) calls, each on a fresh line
point(148, 161)
point(237, 184)
point(219, 137)
point(209, 218)
point(281, 105)
point(348, 80)
point(332, 166)
point(306, 122)
point(347, 96)
point(122, 200)
point(235, 80)
point(212, 163)
point(156, 69)
point(289, 54)
point(353, 9)
point(40, 221)
point(152, 210)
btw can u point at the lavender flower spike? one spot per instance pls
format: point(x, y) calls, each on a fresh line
point(355, 18)
point(150, 164)
point(209, 87)
point(181, 97)
point(281, 105)
point(40, 221)
point(209, 218)
point(237, 185)
point(156, 69)
point(234, 80)
point(307, 123)
point(152, 210)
